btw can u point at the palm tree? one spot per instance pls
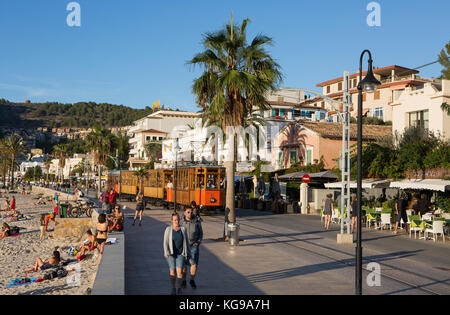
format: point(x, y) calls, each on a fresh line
point(14, 147)
point(153, 151)
point(60, 152)
point(446, 108)
point(236, 78)
point(47, 163)
point(102, 142)
point(140, 174)
point(4, 155)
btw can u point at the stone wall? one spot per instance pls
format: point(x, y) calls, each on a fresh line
point(72, 227)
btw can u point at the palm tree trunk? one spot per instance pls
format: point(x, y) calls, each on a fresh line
point(99, 180)
point(12, 171)
point(229, 166)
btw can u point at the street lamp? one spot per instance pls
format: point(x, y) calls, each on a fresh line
point(368, 85)
point(176, 148)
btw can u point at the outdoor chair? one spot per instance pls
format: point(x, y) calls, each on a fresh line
point(385, 220)
point(438, 228)
point(427, 216)
point(322, 216)
point(335, 216)
point(414, 227)
point(371, 218)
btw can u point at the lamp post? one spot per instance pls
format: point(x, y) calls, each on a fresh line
point(176, 149)
point(368, 85)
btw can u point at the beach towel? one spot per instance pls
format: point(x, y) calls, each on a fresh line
point(21, 281)
point(111, 241)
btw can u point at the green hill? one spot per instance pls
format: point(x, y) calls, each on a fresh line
point(78, 115)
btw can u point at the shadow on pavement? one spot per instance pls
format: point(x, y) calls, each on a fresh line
point(146, 270)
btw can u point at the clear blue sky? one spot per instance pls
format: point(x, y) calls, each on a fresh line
point(135, 52)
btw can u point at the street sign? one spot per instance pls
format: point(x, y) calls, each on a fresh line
point(306, 178)
point(243, 167)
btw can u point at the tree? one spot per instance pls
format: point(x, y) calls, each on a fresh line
point(4, 156)
point(103, 143)
point(153, 151)
point(141, 174)
point(444, 60)
point(446, 108)
point(14, 147)
point(61, 153)
point(236, 78)
point(47, 163)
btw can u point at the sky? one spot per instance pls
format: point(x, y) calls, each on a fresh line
point(135, 52)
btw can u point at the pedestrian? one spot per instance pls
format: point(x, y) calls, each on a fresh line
point(354, 212)
point(139, 207)
point(423, 205)
point(42, 227)
point(400, 209)
point(328, 210)
point(196, 210)
point(194, 232)
point(176, 251)
point(102, 234)
point(112, 196)
point(13, 204)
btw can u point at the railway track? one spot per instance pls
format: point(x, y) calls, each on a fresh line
point(274, 235)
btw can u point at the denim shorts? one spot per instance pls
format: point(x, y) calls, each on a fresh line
point(175, 261)
point(193, 259)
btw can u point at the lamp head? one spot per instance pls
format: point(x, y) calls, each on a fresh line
point(369, 84)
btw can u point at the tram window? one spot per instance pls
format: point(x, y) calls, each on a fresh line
point(212, 181)
point(222, 180)
point(200, 181)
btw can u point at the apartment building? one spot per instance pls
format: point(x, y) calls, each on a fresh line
point(394, 80)
point(155, 128)
point(421, 106)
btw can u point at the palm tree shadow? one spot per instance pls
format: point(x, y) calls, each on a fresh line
point(293, 139)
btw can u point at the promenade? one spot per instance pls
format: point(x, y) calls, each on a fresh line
point(283, 255)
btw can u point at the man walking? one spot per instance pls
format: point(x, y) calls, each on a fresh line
point(194, 231)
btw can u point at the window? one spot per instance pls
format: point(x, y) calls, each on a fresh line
point(148, 138)
point(419, 119)
point(378, 112)
point(364, 97)
point(293, 157)
point(328, 89)
point(309, 156)
point(376, 95)
point(354, 82)
point(160, 138)
point(340, 86)
point(280, 159)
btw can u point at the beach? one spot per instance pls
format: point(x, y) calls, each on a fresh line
point(20, 252)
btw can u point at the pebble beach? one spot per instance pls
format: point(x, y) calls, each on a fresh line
point(20, 252)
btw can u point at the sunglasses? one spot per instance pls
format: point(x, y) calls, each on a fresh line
point(189, 211)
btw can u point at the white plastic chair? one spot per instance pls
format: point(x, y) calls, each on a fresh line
point(385, 220)
point(438, 228)
point(427, 217)
point(335, 216)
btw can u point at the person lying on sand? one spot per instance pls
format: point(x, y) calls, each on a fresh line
point(89, 244)
point(6, 231)
point(46, 264)
point(15, 216)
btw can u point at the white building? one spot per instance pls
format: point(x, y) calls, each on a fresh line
point(285, 106)
point(154, 128)
point(421, 106)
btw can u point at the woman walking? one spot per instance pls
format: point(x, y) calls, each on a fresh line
point(176, 251)
point(139, 207)
point(354, 212)
point(102, 234)
point(328, 210)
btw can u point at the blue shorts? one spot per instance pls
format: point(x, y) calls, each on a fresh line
point(175, 262)
point(193, 259)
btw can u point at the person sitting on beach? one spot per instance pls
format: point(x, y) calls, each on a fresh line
point(89, 244)
point(6, 231)
point(15, 216)
point(117, 219)
point(46, 264)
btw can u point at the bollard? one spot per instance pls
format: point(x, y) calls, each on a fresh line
point(233, 232)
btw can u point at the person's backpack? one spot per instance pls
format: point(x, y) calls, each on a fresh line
point(104, 197)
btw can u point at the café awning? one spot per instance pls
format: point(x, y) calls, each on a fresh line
point(320, 175)
point(423, 184)
point(366, 184)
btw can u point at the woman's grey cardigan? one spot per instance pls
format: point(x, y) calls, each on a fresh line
point(168, 243)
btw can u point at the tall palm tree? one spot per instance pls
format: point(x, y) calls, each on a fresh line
point(102, 143)
point(60, 152)
point(140, 174)
point(14, 147)
point(47, 164)
point(236, 78)
point(4, 155)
